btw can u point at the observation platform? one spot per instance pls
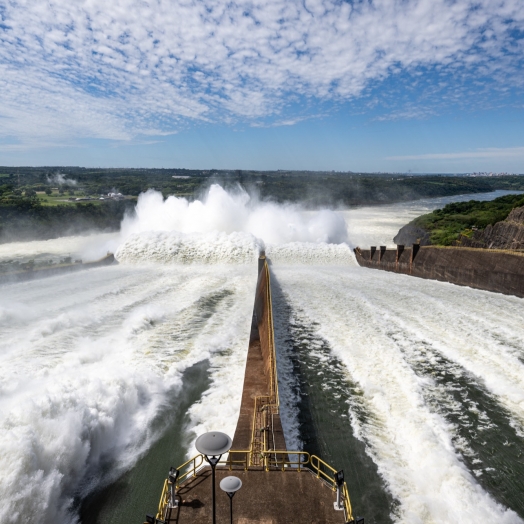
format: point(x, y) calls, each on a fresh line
point(266, 497)
point(278, 485)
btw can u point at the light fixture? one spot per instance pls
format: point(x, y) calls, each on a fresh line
point(150, 519)
point(173, 477)
point(213, 445)
point(230, 485)
point(339, 480)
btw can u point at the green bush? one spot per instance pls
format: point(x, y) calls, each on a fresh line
point(460, 218)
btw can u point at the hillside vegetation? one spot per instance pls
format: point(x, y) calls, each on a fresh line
point(445, 226)
point(47, 202)
point(29, 217)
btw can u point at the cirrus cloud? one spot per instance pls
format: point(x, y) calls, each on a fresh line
point(117, 70)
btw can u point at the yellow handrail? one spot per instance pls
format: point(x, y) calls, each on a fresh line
point(272, 457)
point(273, 378)
point(192, 470)
point(164, 501)
point(271, 460)
point(347, 503)
point(230, 462)
point(316, 463)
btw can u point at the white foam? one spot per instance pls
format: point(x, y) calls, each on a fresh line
point(197, 248)
point(235, 211)
point(360, 312)
point(87, 362)
point(87, 247)
point(310, 253)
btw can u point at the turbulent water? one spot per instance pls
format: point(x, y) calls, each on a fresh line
point(434, 385)
point(414, 387)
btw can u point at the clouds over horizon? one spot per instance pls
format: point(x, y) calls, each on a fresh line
point(122, 69)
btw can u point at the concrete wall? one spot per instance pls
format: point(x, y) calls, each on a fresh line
point(492, 270)
point(263, 319)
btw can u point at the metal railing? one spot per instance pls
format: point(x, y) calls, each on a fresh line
point(283, 460)
point(190, 468)
point(319, 465)
point(273, 378)
point(276, 459)
point(164, 501)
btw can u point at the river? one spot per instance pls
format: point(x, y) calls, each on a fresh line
point(414, 387)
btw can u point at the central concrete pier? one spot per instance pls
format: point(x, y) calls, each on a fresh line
point(260, 378)
point(278, 485)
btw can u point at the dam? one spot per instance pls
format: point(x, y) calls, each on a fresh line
point(278, 485)
point(412, 386)
point(497, 270)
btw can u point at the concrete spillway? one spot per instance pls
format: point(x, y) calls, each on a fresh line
point(278, 485)
point(260, 378)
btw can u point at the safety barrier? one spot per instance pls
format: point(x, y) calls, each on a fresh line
point(283, 460)
point(163, 505)
point(273, 378)
point(263, 311)
point(318, 465)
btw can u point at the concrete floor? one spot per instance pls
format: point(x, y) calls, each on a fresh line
point(265, 498)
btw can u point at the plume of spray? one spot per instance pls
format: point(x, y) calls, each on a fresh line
point(223, 226)
point(60, 180)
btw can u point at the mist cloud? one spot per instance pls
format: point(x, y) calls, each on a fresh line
point(60, 180)
point(235, 211)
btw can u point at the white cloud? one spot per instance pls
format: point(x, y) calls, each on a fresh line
point(489, 152)
point(119, 69)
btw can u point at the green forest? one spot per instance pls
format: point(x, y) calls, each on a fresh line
point(446, 225)
point(46, 202)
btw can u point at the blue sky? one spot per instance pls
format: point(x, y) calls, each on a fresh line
point(374, 85)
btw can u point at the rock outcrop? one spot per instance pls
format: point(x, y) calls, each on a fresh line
point(507, 234)
point(411, 234)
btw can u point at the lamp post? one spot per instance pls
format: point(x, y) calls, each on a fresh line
point(213, 445)
point(339, 479)
point(230, 485)
point(173, 477)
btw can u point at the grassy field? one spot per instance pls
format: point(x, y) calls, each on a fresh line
point(56, 199)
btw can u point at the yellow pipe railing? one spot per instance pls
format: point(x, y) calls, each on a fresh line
point(195, 467)
point(316, 464)
point(273, 378)
point(164, 501)
point(273, 459)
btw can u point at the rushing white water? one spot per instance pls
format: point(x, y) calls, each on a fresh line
point(87, 247)
point(87, 360)
point(232, 212)
point(371, 319)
